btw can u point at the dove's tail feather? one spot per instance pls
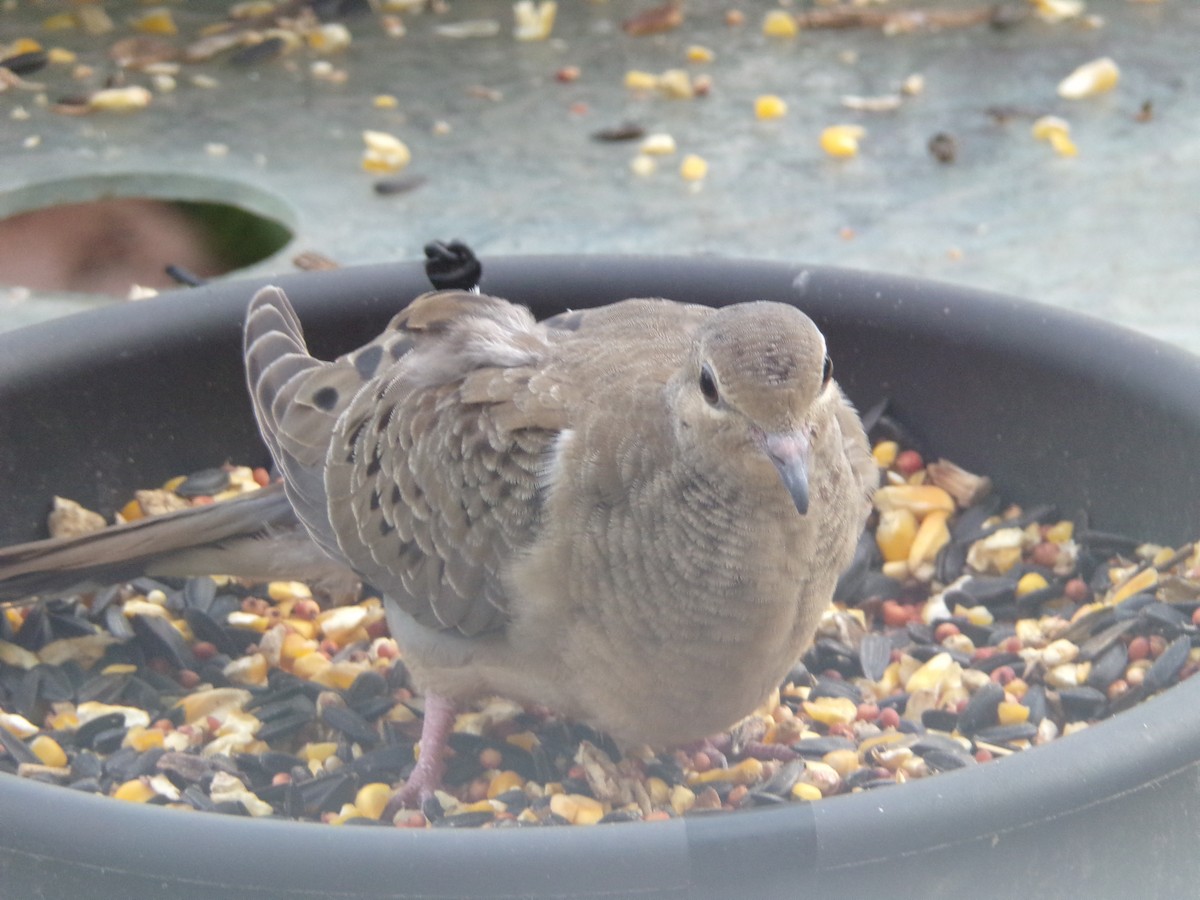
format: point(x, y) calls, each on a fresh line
point(221, 538)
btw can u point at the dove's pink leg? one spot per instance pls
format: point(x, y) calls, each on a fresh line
point(431, 764)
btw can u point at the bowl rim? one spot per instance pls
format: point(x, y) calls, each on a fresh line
point(696, 855)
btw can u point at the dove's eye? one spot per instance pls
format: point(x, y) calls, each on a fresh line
point(827, 371)
point(708, 385)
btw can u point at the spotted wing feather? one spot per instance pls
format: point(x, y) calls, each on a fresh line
point(416, 458)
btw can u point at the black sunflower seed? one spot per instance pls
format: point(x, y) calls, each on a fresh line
point(206, 482)
point(1108, 666)
point(874, 655)
point(1081, 703)
point(85, 734)
point(815, 748)
point(17, 748)
point(1168, 664)
point(351, 724)
point(467, 819)
point(1003, 734)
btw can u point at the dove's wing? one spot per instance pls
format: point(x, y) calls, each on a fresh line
point(417, 458)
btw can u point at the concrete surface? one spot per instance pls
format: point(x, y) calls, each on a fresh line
point(1114, 231)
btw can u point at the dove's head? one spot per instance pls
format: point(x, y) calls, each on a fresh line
point(757, 382)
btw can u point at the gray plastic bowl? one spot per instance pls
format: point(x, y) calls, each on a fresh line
point(1054, 406)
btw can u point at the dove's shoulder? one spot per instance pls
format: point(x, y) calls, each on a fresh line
point(433, 471)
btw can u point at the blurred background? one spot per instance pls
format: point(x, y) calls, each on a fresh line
point(1042, 148)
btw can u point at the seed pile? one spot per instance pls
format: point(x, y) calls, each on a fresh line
point(965, 630)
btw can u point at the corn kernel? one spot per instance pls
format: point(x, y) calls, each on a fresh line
point(895, 534)
point(884, 453)
point(59, 22)
point(249, 670)
point(311, 665)
point(61, 56)
point(577, 808)
point(63, 720)
point(1030, 582)
point(526, 740)
point(134, 791)
point(1057, 132)
point(1096, 77)
point(1142, 581)
point(1060, 531)
point(976, 615)
point(693, 168)
point(931, 536)
point(747, 771)
point(503, 782)
point(288, 590)
point(155, 21)
point(938, 672)
point(239, 619)
point(841, 141)
point(319, 751)
point(779, 23)
point(658, 144)
point(384, 152)
point(1012, 713)
point(346, 813)
point(141, 738)
point(681, 799)
point(769, 106)
point(384, 101)
point(126, 99)
point(637, 80)
point(372, 798)
point(676, 84)
point(698, 54)
point(48, 751)
point(843, 761)
point(1058, 10)
point(920, 499)
point(1162, 556)
point(296, 645)
point(22, 45)
point(642, 165)
point(329, 38)
point(659, 791)
point(831, 710)
point(132, 511)
point(534, 23)
point(803, 791)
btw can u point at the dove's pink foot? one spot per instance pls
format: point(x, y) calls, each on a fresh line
point(426, 777)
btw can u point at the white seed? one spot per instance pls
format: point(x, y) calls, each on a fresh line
point(1096, 77)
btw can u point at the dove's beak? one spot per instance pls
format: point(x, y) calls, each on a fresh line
point(789, 453)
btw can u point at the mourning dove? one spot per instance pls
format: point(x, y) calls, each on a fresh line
point(612, 513)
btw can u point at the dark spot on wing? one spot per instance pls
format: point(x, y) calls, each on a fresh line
point(366, 361)
point(326, 398)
